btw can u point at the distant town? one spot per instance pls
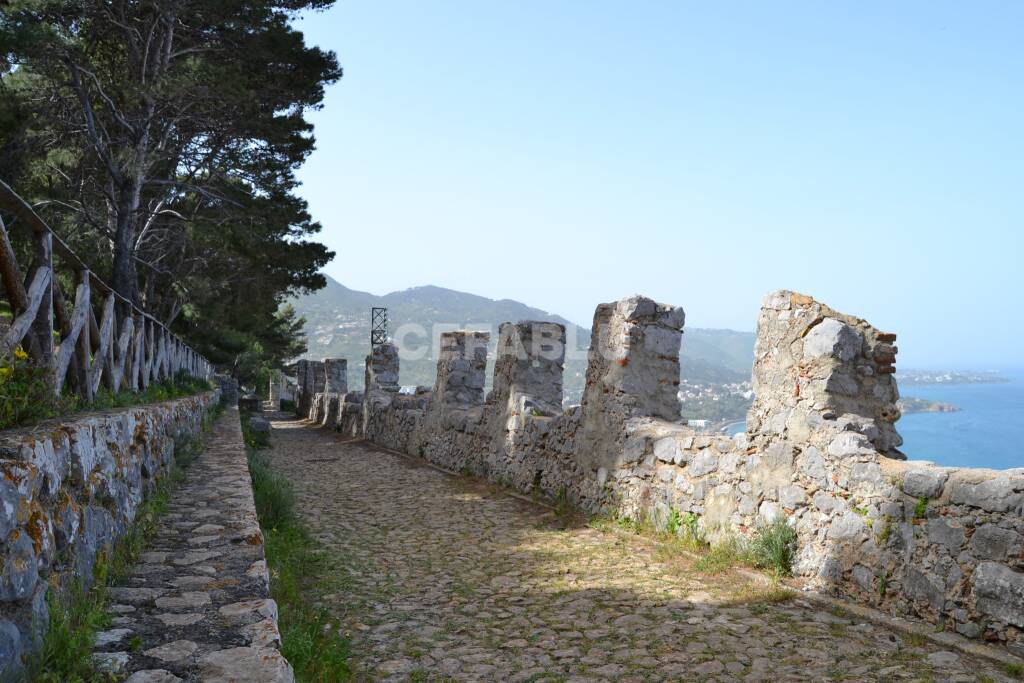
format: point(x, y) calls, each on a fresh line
point(911, 377)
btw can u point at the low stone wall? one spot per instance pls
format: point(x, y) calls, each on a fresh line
point(68, 490)
point(821, 452)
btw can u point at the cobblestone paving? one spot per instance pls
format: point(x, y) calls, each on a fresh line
point(197, 607)
point(443, 578)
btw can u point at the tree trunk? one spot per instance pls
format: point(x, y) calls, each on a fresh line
point(125, 279)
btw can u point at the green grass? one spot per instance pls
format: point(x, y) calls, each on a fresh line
point(920, 508)
point(26, 397)
point(1014, 671)
point(722, 556)
point(78, 614)
point(773, 548)
point(66, 653)
point(311, 639)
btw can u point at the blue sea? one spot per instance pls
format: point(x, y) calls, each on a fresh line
point(988, 431)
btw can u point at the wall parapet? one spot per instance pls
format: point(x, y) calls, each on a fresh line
point(69, 490)
point(821, 452)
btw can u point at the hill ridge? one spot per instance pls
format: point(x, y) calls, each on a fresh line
point(338, 325)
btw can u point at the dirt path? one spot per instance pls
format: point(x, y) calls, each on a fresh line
point(442, 578)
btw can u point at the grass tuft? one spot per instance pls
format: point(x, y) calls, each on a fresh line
point(773, 548)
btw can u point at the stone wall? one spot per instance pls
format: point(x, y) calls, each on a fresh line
point(821, 452)
point(68, 490)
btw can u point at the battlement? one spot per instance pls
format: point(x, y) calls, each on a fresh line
point(821, 451)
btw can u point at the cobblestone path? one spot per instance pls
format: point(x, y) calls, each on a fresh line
point(444, 578)
point(197, 607)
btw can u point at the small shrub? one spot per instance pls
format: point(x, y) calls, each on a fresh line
point(691, 528)
point(76, 616)
point(773, 547)
point(673, 523)
point(25, 392)
point(885, 531)
point(921, 508)
point(564, 509)
point(287, 406)
point(883, 584)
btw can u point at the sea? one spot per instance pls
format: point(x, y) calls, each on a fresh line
point(988, 431)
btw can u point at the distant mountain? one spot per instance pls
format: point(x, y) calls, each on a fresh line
point(338, 326)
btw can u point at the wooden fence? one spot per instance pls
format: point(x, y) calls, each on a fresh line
point(125, 349)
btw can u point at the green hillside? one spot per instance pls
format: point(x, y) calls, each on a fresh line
point(338, 325)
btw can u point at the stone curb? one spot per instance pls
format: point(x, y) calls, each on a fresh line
point(197, 605)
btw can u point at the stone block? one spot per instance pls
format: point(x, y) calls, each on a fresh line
point(999, 592)
point(999, 494)
point(833, 338)
point(924, 483)
point(666, 449)
point(251, 403)
point(20, 567)
point(259, 424)
point(847, 527)
point(994, 543)
point(792, 496)
point(920, 588)
point(941, 532)
point(704, 462)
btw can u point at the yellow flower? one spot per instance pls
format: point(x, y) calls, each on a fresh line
point(6, 372)
point(20, 354)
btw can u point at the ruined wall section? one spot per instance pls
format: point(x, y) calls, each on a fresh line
point(335, 386)
point(454, 409)
point(814, 365)
point(310, 377)
point(388, 418)
point(632, 372)
point(821, 453)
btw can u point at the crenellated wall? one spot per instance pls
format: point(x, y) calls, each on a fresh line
point(68, 490)
point(821, 452)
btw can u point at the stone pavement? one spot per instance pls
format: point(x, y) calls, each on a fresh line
point(445, 578)
point(197, 607)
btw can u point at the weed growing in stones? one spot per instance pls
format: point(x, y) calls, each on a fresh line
point(921, 508)
point(1014, 670)
point(722, 556)
point(76, 617)
point(773, 548)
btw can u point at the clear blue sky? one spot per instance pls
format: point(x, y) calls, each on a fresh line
point(567, 153)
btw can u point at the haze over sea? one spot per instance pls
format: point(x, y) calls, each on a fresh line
point(987, 432)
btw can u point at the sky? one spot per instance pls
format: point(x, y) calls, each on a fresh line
point(564, 153)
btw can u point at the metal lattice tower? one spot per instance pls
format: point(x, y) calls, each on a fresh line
point(378, 326)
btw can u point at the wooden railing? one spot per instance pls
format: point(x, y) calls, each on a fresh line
point(125, 349)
